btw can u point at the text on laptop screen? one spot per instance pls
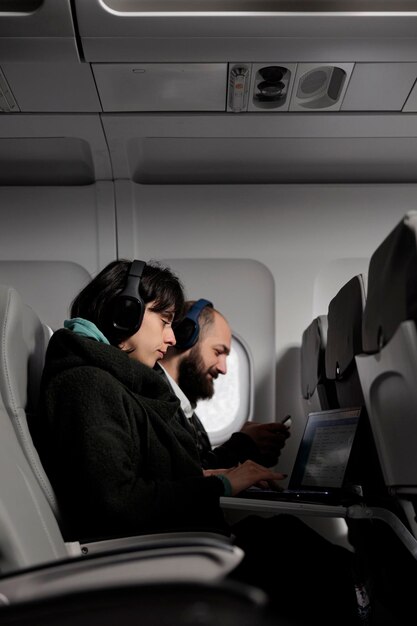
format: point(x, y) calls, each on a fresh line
point(325, 449)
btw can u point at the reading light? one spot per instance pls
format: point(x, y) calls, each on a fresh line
point(239, 88)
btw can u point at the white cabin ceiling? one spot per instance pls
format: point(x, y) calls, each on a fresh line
point(105, 90)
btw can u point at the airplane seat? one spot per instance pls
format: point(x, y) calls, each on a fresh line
point(319, 394)
point(22, 349)
point(363, 472)
point(387, 369)
point(29, 531)
point(388, 365)
point(316, 388)
point(344, 342)
point(175, 603)
point(41, 582)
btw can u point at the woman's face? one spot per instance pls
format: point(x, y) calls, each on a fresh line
point(150, 343)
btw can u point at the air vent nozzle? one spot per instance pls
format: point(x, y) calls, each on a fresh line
point(271, 86)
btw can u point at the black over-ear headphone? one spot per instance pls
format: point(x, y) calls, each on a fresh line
point(187, 329)
point(128, 308)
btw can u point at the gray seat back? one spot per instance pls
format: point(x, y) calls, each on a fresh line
point(29, 532)
point(392, 285)
point(388, 367)
point(316, 388)
point(344, 343)
point(24, 340)
point(344, 340)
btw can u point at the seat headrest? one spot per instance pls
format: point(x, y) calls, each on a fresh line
point(344, 333)
point(24, 343)
point(392, 285)
point(313, 345)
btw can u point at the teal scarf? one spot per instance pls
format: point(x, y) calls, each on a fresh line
point(85, 328)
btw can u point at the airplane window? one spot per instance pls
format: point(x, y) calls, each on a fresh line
point(232, 403)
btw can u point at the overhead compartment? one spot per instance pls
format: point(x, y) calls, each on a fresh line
point(114, 31)
point(262, 148)
point(37, 30)
point(51, 150)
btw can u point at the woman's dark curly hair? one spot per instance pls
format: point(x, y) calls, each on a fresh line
point(158, 284)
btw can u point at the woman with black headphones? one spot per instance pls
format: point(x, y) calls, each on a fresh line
point(120, 456)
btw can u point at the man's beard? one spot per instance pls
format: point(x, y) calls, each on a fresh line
point(193, 378)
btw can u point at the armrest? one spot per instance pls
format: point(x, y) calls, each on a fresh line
point(158, 540)
point(205, 561)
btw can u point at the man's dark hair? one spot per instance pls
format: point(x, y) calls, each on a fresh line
point(158, 284)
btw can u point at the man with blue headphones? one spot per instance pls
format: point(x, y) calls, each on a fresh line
point(203, 341)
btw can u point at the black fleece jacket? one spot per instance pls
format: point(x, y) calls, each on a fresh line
point(119, 454)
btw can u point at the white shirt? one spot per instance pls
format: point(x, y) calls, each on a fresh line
point(185, 403)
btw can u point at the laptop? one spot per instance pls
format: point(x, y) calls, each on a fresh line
point(321, 467)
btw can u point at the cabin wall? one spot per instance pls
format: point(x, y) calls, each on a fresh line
point(300, 241)
point(74, 225)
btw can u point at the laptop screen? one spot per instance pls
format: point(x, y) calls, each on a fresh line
point(325, 449)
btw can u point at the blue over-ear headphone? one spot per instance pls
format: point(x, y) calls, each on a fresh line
point(187, 329)
point(128, 308)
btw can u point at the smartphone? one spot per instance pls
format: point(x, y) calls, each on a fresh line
point(286, 421)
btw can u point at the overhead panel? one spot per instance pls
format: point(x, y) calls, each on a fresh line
point(37, 30)
point(411, 103)
point(379, 86)
point(53, 87)
point(162, 86)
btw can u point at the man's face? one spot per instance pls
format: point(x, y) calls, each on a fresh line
point(205, 361)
